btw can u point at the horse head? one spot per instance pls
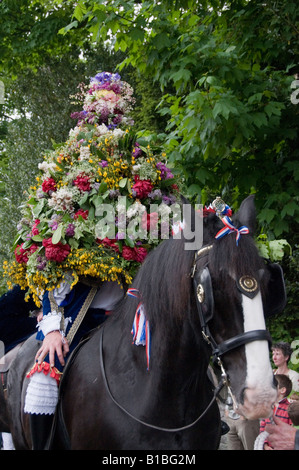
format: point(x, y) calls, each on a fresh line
point(234, 289)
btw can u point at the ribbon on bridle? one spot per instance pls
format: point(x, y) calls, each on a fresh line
point(230, 228)
point(140, 328)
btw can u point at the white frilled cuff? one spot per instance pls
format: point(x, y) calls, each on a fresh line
point(50, 322)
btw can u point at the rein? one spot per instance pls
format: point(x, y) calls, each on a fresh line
point(144, 423)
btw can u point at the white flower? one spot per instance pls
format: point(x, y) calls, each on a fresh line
point(134, 209)
point(47, 167)
point(61, 200)
point(74, 132)
point(84, 152)
point(135, 168)
point(118, 133)
point(101, 130)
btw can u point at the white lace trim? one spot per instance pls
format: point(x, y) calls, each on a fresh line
point(50, 322)
point(41, 395)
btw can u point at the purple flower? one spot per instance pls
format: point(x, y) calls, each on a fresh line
point(41, 265)
point(103, 163)
point(70, 230)
point(156, 194)
point(137, 151)
point(114, 193)
point(169, 199)
point(165, 172)
point(53, 225)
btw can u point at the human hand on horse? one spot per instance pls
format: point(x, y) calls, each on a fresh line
point(53, 343)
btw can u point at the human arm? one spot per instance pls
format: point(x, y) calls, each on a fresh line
point(282, 436)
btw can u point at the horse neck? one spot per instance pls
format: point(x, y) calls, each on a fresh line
point(179, 358)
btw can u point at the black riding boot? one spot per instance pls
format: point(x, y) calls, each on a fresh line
point(40, 426)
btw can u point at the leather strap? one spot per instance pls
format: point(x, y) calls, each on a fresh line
point(240, 340)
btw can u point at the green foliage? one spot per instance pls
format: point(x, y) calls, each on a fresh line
point(285, 326)
point(232, 128)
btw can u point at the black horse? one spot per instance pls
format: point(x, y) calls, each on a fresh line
point(116, 395)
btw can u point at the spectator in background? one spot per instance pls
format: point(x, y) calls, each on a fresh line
point(281, 407)
point(242, 432)
point(282, 436)
point(281, 354)
point(293, 411)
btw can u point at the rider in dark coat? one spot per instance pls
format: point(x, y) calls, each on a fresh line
point(15, 323)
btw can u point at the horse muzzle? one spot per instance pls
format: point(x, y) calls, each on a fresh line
point(256, 403)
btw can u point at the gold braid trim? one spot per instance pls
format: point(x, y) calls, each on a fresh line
point(54, 307)
point(81, 314)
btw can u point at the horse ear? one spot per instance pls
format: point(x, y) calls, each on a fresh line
point(246, 215)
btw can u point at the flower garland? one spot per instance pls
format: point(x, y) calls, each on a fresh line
point(101, 165)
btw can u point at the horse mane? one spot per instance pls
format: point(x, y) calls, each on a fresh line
point(164, 282)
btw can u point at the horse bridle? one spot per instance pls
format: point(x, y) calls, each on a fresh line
point(218, 350)
point(203, 287)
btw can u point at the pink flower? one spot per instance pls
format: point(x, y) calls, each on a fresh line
point(128, 253)
point(82, 182)
point(142, 187)
point(22, 255)
point(140, 254)
point(56, 252)
point(134, 254)
point(49, 185)
point(110, 243)
point(84, 214)
point(149, 221)
point(35, 230)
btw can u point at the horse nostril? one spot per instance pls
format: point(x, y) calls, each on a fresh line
point(242, 395)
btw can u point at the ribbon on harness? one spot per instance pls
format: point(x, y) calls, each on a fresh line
point(230, 228)
point(140, 328)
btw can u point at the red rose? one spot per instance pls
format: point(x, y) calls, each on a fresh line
point(49, 185)
point(142, 187)
point(56, 252)
point(84, 214)
point(82, 182)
